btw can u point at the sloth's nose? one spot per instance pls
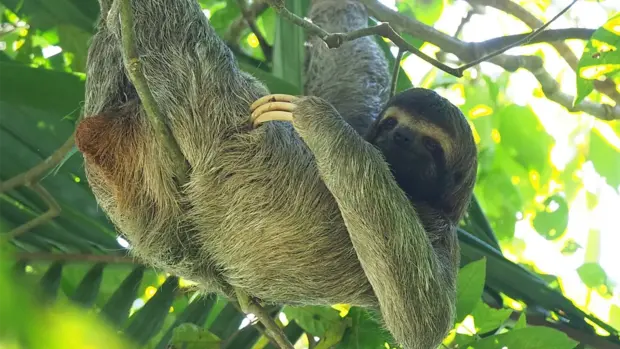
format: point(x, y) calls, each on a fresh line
point(403, 137)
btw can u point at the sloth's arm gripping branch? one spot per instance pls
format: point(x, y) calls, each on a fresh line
point(413, 281)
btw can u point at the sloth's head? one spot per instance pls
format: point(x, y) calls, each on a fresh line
point(430, 147)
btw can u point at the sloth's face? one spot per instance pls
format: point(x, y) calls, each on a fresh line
point(416, 158)
point(429, 145)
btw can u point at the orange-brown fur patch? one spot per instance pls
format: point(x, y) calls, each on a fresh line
point(111, 144)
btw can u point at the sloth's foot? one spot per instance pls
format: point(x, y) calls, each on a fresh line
point(277, 107)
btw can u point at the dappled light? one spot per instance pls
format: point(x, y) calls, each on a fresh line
point(539, 242)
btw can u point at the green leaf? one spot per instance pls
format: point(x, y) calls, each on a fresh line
point(87, 290)
point(605, 159)
point(470, 285)
point(425, 11)
point(195, 313)
point(288, 53)
point(614, 316)
point(227, 321)
point(551, 222)
point(570, 247)
point(190, 336)
point(592, 275)
point(527, 338)
point(117, 308)
point(221, 19)
point(147, 321)
point(489, 319)
point(364, 332)
point(51, 280)
point(521, 322)
point(75, 41)
point(525, 139)
point(58, 94)
point(315, 320)
point(600, 57)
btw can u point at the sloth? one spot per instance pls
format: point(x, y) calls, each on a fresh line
point(337, 197)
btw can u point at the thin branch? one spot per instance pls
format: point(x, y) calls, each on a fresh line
point(250, 20)
point(36, 173)
point(551, 88)
point(549, 36)
point(31, 179)
point(395, 72)
point(272, 330)
point(464, 22)
point(468, 51)
point(607, 87)
point(335, 40)
point(519, 42)
point(52, 212)
point(75, 258)
point(239, 24)
point(156, 117)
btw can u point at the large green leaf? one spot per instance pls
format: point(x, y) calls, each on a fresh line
point(116, 310)
point(87, 290)
point(314, 319)
point(605, 159)
point(469, 288)
point(195, 313)
point(600, 57)
point(288, 55)
point(364, 332)
point(147, 321)
point(527, 338)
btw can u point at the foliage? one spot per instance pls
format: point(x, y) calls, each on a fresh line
point(59, 303)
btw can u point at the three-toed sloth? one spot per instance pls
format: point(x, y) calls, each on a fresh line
point(339, 197)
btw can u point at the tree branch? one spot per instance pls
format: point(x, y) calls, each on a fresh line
point(52, 212)
point(518, 42)
point(272, 330)
point(156, 118)
point(607, 87)
point(395, 72)
point(470, 51)
point(549, 36)
point(250, 20)
point(239, 24)
point(36, 173)
point(31, 179)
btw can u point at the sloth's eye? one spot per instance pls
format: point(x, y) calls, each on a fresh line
point(431, 145)
point(389, 124)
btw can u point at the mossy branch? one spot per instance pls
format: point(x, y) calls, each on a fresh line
point(163, 133)
point(156, 118)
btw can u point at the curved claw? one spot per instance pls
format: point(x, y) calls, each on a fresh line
point(271, 98)
point(277, 107)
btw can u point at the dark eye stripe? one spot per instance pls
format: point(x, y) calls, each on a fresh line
point(432, 146)
point(389, 123)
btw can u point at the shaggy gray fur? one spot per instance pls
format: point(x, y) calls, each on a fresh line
point(307, 213)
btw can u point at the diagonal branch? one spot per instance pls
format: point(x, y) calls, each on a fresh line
point(239, 24)
point(607, 86)
point(550, 36)
point(518, 42)
point(157, 120)
point(31, 179)
point(52, 212)
point(471, 51)
point(250, 20)
point(36, 173)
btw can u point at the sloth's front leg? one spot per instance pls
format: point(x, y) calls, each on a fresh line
point(276, 107)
